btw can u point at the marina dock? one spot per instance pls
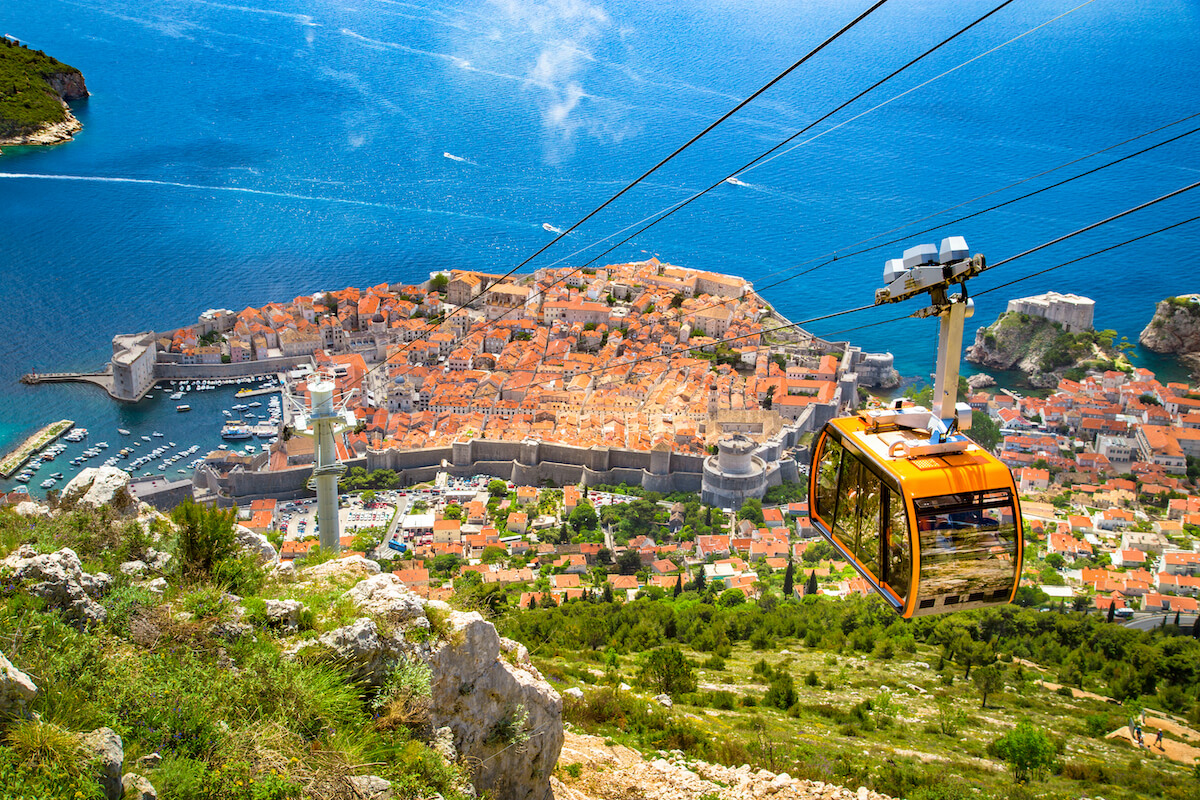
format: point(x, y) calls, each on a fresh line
point(17, 458)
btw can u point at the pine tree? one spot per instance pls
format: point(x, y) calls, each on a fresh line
point(532, 601)
point(678, 585)
point(1112, 610)
point(788, 578)
point(700, 579)
point(811, 588)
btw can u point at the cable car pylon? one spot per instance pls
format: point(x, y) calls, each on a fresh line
point(927, 517)
point(321, 423)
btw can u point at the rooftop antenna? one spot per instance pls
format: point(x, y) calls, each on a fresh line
point(321, 423)
point(933, 270)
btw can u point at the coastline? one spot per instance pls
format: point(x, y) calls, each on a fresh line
point(49, 134)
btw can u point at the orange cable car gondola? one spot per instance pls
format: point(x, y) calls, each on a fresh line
point(929, 518)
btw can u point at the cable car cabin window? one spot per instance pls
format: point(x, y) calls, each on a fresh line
point(827, 479)
point(857, 522)
point(968, 544)
point(899, 556)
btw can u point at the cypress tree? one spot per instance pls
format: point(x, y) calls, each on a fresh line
point(708, 516)
point(1112, 610)
point(811, 587)
point(788, 577)
point(678, 585)
point(700, 579)
point(532, 601)
point(1176, 619)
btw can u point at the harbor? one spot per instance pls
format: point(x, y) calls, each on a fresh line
point(150, 439)
point(24, 452)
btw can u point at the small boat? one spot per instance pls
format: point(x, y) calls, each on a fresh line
point(182, 407)
point(145, 438)
point(122, 431)
point(46, 484)
point(56, 475)
point(177, 396)
point(102, 445)
point(255, 404)
point(24, 477)
point(546, 226)
point(157, 435)
point(227, 412)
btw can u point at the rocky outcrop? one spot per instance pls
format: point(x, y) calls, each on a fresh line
point(354, 566)
point(256, 544)
point(104, 746)
point(68, 85)
point(285, 613)
point(371, 787)
point(17, 690)
point(1175, 326)
point(1037, 347)
point(980, 380)
point(136, 787)
point(386, 595)
point(100, 486)
point(359, 648)
point(59, 579)
point(507, 721)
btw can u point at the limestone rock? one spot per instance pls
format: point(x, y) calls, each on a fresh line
point(386, 595)
point(371, 787)
point(443, 744)
point(353, 566)
point(664, 700)
point(17, 690)
point(506, 719)
point(157, 586)
point(149, 761)
point(1175, 327)
point(99, 486)
point(105, 746)
point(134, 569)
point(231, 630)
point(29, 508)
point(285, 613)
point(136, 787)
point(59, 579)
point(359, 647)
point(157, 559)
point(574, 692)
point(980, 380)
point(284, 570)
point(255, 543)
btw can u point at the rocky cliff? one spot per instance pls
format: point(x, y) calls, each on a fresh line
point(1039, 348)
point(1175, 327)
point(34, 91)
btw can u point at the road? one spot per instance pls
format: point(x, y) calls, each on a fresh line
point(1145, 622)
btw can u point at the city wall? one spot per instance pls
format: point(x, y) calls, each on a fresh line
point(242, 369)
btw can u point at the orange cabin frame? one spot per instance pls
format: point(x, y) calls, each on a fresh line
point(923, 481)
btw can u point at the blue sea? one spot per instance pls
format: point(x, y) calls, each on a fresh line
point(239, 152)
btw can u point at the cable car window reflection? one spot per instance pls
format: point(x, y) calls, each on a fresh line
point(968, 543)
point(870, 494)
point(827, 479)
point(845, 524)
point(899, 556)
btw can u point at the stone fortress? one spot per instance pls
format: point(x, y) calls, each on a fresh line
point(1071, 311)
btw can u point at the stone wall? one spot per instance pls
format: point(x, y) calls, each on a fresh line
point(242, 369)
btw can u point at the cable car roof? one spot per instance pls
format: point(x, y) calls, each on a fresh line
point(973, 469)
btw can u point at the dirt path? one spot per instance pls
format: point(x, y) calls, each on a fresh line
point(1170, 748)
point(620, 773)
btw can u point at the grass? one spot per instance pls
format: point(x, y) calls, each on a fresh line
point(867, 721)
point(27, 101)
point(232, 720)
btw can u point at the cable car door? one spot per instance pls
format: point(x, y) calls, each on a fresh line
point(863, 516)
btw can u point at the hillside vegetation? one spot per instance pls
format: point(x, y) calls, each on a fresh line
point(31, 90)
point(1038, 346)
point(181, 675)
point(967, 705)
